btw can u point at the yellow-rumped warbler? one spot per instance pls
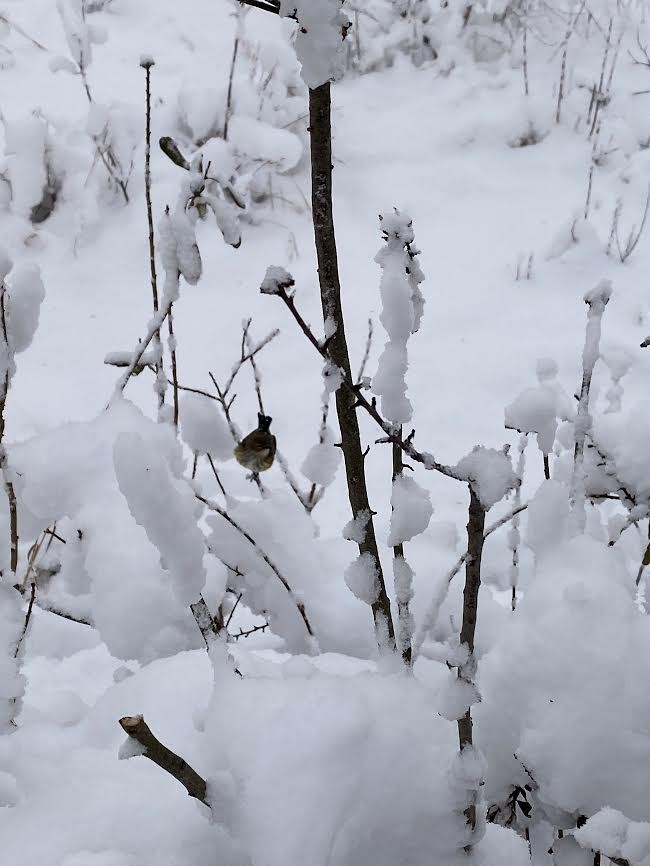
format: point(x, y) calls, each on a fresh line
point(257, 450)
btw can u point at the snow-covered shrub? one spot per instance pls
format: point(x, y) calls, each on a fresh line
point(384, 30)
point(112, 129)
point(249, 131)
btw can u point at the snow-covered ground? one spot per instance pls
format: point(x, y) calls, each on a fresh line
point(336, 758)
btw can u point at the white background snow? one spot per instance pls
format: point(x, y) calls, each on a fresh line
point(324, 751)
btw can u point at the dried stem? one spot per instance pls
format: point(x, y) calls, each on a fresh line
point(233, 63)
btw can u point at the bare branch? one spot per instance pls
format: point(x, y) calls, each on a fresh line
point(161, 381)
point(150, 747)
point(28, 616)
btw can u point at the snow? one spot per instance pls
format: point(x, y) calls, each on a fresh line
point(319, 41)
point(614, 835)
point(164, 505)
point(330, 757)
point(402, 307)
point(355, 529)
point(547, 516)
point(490, 472)
point(203, 427)
point(361, 578)
point(276, 279)
point(411, 510)
point(25, 296)
point(323, 459)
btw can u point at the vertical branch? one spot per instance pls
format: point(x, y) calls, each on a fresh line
point(592, 166)
point(475, 540)
point(172, 352)
point(514, 538)
point(565, 51)
point(525, 53)
point(161, 382)
point(403, 578)
point(8, 485)
point(233, 63)
point(330, 290)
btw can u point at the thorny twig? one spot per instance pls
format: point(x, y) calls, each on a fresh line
point(253, 630)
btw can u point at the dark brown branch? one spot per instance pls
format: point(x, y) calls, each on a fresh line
point(138, 730)
point(336, 349)
point(475, 541)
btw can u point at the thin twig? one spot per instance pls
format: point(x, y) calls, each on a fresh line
point(234, 608)
point(4, 469)
point(300, 606)
point(160, 374)
point(366, 353)
point(28, 616)
point(263, 627)
point(172, 352)
point(233, 62)
point(216, 475)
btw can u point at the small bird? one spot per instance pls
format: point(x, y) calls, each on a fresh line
point(257, 450)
